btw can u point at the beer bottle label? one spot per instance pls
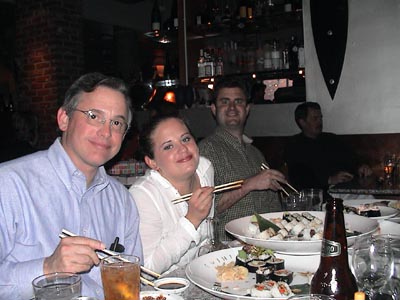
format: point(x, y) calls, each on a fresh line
point(330, 248)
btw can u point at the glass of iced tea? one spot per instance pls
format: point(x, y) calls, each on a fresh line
point(121, 277)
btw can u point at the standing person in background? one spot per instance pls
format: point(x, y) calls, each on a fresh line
point(317, 159)
point(172, 233)
point(66, 187)
point(234, 158)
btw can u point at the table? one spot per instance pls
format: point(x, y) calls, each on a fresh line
point(192, 293)
point(368, 186)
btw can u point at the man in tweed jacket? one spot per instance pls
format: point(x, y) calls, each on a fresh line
point(234, 158)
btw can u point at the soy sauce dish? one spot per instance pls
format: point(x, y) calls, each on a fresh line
point(171, 285)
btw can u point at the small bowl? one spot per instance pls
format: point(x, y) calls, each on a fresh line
point(171, 285)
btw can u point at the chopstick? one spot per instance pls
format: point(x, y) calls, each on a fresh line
point(217, 189)
point(108, 253)
point(265, 167)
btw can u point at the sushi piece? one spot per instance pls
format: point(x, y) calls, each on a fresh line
point(276, 263)
point(255, 264)
point(281, 289)
point(263, 289)
point(308, 216)
point(298, 229)
point(283, 275)
point(263, 274)
point(242, 259)
point(367, 210)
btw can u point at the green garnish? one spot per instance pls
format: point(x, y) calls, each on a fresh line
point(264, 224)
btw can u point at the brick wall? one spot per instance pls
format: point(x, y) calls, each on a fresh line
point(49, 52)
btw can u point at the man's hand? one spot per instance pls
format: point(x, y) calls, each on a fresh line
point(73, 254)
point(341, 176)
point(266, 179)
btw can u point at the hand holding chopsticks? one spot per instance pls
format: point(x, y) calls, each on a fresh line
point(217, 189)
point(107, 254)
point(265, 167)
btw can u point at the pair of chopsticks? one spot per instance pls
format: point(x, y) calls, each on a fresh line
point(217, 189)
point(106, 254)
point(265, 167)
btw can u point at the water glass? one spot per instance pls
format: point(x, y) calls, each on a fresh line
point(296, 202)
point(120, 276)
point(373, 265)
point(57, 286)
point(213, 242)
point(315, 197)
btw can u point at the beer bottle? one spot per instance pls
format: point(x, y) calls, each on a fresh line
point(334, 277)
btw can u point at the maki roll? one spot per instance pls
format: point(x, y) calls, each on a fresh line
point(367, 210)
point(281, 289)
point(283, 275)
point(263, 289)
point(255, 264)
point(276, 263)
point(263, 274)
point(242, 259)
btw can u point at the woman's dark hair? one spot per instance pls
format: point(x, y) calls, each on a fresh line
point(145, 138)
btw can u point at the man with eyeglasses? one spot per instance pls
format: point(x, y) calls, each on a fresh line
point(66, 187)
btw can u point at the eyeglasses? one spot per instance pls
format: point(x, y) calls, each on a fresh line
point(97, 118)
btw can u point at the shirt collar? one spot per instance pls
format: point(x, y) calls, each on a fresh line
point(229, 137)
point(66, 169)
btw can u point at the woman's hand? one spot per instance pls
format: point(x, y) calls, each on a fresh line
point(199, 205)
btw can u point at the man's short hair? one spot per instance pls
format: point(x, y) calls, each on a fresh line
point(301, 111)
point(229, 82)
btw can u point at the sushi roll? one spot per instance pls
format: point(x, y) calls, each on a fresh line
point(264, 235)
point(367, 210)
point(253, 229)
point(288, 217)
point(308, 216)
point(281, 289)
point(276, 263)
point(263, 289)
point(263, 274)
point(283, 275)
point(297, 217)
point(298, 229)
point(242, 258)
point(255, 264)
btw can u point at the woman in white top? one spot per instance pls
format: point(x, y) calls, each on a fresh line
point(172, 233)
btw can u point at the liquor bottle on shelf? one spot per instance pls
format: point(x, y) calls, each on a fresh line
point(293, 53)
point(201, 65)
point(242, 10)
point(219, 67)
point(227, 15)
point(156, 19)
point(174, 15)
point(334, 277)
point(209, 64)
point(276, 56)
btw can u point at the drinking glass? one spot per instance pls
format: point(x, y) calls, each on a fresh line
point(315, 198)
point(213, 242)
point(57, 286)
point(389, 163)
point(296, 202)
point(373, 265)
point(120, 276)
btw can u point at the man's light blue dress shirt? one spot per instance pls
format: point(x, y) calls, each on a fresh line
point(42, 193)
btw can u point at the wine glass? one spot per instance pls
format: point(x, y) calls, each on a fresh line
point(389, 162)
point(213, 243)
point(373, 265)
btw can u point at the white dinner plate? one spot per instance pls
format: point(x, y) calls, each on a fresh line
point(239, 229)
point(202, 273)
point(387, 212)
point(156, 294)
